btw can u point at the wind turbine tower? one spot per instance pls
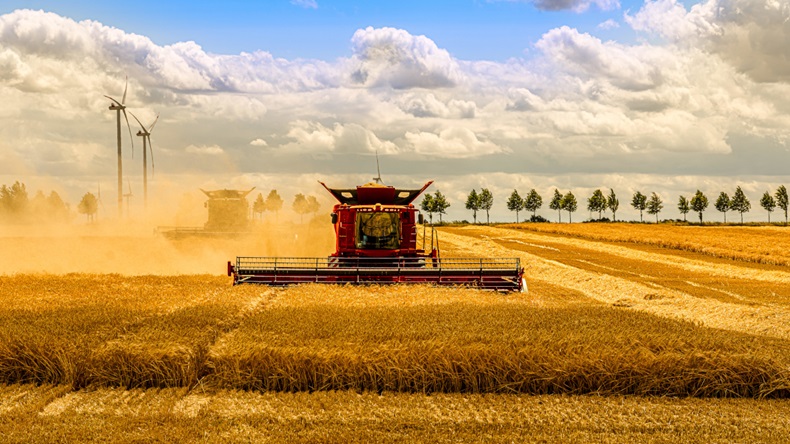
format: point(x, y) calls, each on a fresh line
point(146, 135)
point(119, 107)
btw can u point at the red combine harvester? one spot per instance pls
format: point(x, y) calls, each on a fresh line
point(376, 243)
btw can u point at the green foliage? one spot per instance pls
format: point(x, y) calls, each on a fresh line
point(655, 205)
point(428, 206)
point(699, 202)
point(569, 204)
point(259, 206)
point(515, 203)
point(683, 206)
point(723, 204)
point(274, 202)
point(597, 203)
point(533, 202)
point(300, 206)
point(88, 206)
point(768, 203)
point(740, 202)
point(473, 202)
point(440, 204)
point(486, 201)
point(639, 202)
point(781, 199)
point(613, 204)
point(556, 204)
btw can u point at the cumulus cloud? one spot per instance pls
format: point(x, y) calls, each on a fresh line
point(314, 137)
point(259, 142)
point(453, 142)
point(750, 34)
point(428, 105)
point(574, 5)
point(393, 57)
point(209, 150)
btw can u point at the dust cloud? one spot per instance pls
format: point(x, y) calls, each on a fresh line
point(137, 249)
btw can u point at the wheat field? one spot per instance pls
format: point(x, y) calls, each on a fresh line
point(615, 341)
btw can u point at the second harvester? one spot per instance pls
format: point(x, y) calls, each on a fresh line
point(376, 232)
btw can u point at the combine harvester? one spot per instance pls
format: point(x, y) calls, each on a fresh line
point(376, 243)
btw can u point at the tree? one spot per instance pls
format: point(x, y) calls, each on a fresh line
point(723, 204)
point(473, 203)
point(486, 201)
point(768, 203)
point(88, 206)
point(274, 203)
point(699, 202)
point(312, 204)
point(533, 202)
point(597, 203)
point(683, 206)
point(58, 209)
point(13, 199)
point(440, 204)
point(556, 204)
point(515, 203)
point(259, 206)
point(639, 202)
point(428, 206)
point(740, 202)
point(300, 206)
point(569, 204)
point(655, 205)
point(781, 199)
point(613, 203)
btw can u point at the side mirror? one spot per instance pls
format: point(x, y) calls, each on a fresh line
point(420, 219)
point(334, 218)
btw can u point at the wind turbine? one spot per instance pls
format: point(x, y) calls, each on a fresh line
point(128, 196)
point(118, 107)
point(146, 135)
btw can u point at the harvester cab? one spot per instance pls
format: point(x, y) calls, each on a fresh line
point(376, 242)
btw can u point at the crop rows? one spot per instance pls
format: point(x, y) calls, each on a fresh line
point(88, 331)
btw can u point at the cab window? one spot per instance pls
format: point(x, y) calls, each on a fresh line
point(378, 231)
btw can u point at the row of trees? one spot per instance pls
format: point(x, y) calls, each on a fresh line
point(17, 206)
point(654, 204)
point(274, 203)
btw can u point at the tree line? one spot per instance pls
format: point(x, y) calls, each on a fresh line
point(16, 206)
point(599, 202)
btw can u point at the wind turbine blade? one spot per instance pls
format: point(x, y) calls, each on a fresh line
point(130, 130)
point(152, 125)
point(151, 149)
point(138, 121)
point(116, 102)
point(125, 87)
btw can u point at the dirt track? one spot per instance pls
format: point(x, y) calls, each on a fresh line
point(721, 293)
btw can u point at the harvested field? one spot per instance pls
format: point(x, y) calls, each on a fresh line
point(602, 320)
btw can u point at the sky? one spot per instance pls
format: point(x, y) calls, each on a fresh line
point(660, 96)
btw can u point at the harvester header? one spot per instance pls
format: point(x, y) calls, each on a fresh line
point(377, 243)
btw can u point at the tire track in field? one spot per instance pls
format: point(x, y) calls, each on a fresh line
point(627, 291)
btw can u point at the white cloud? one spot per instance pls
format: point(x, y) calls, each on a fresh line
point(210, 150)
point(314, 137)
point(608, 24)
point(259, 142)
point(428, 105)
point(393, 57)
point(574, 5)
point(453, 142)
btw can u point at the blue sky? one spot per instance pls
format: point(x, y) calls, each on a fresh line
point(670, 96)
point(485, 30)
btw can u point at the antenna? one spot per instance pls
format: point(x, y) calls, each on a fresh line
point(377, 179)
